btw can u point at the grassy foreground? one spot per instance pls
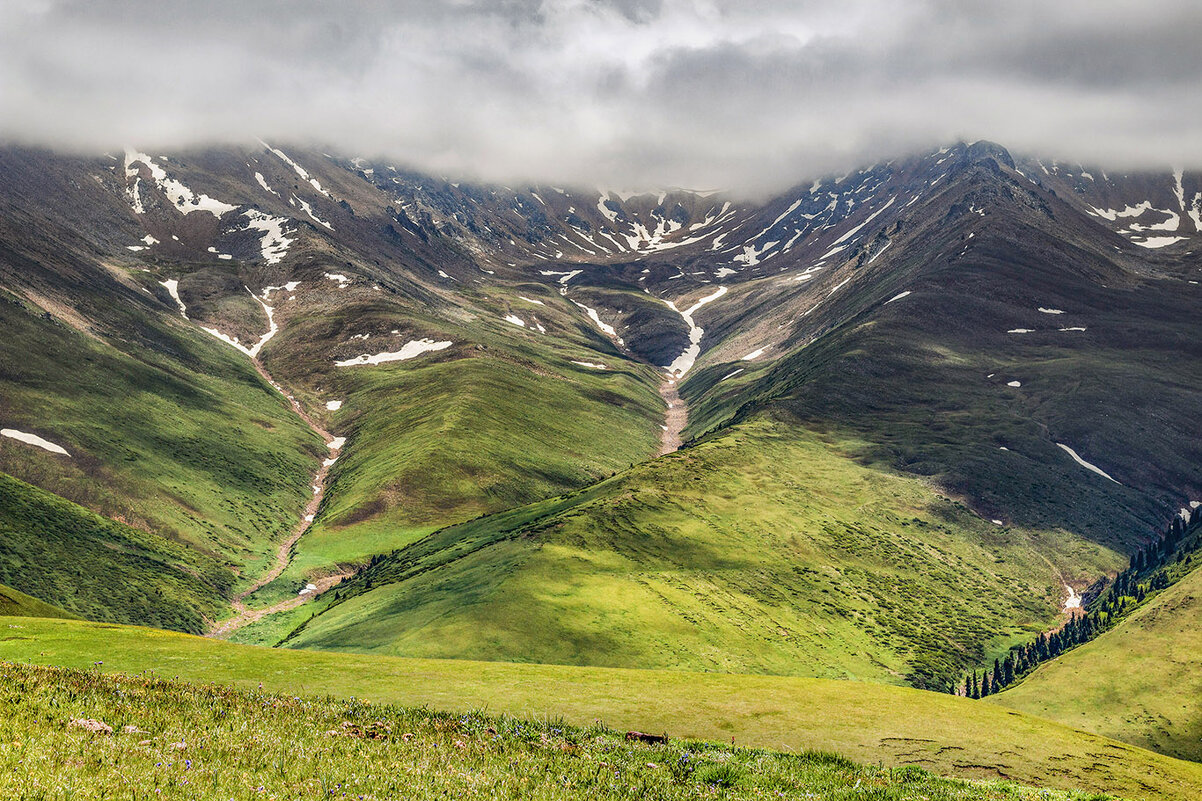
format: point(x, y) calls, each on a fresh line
point(156, 738)
point(868, 723)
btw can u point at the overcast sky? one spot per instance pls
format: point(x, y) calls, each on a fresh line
point(750, 94)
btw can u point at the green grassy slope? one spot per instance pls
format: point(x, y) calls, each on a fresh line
point(866, 722)
point(14, 603)
point(191, 741)
point(1140, 682)
point(441, 441)
point(167, 429)
point(499, 419)
point(100, 569)
point(764, 549)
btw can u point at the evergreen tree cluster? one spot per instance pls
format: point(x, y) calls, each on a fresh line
point(1147, 573)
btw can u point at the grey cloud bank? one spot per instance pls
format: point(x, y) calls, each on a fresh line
point(628, 92)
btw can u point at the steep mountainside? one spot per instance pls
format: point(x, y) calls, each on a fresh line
point(973, 342)
point(950, 377)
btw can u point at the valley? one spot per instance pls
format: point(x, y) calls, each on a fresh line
point(671, 459)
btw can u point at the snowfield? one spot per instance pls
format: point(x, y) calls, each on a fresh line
point(684, 362)
point(410, 350)
point(1086, 464)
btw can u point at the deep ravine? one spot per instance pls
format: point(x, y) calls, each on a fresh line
point(676, 415)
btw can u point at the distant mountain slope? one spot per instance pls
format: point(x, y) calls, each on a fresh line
point(956, 320)
point(122, 362)
point(161, 427)
point(762, 549)
point(998, 352)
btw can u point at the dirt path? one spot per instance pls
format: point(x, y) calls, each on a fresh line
point(244, 615)
point(247, 616)
point(675, 417)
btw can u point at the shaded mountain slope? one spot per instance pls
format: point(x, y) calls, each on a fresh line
point(14, 603)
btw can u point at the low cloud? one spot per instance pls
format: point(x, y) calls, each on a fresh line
point(751, 95)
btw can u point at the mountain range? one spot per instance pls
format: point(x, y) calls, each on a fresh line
point(883, 426)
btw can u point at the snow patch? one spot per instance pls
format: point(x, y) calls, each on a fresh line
point(184, 199)
point(33, 439)
point(253, 350)
point(1073, 601)
point(1015, 384)
point(596, 318)
point(591, 364)
point(342, 280)
point(1050, 311)
point(879, 252)
point(296, 167)
point(730, 375)
point(309, 210)
point(263, 183)
point(172, 286)
point(513, 318)
point(273, 244)
point(1160, 241)
point(410, 349)
point(898, 296)
point(1086, 464)
point(333, 405)
point(755, 354)
point(288, 287)
point(872, 216)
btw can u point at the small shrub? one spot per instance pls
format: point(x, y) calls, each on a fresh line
point(722, 774)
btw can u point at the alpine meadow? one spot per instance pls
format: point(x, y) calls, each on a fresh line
point(381, 418)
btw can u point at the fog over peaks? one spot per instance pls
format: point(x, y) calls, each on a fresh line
point(748, 95)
